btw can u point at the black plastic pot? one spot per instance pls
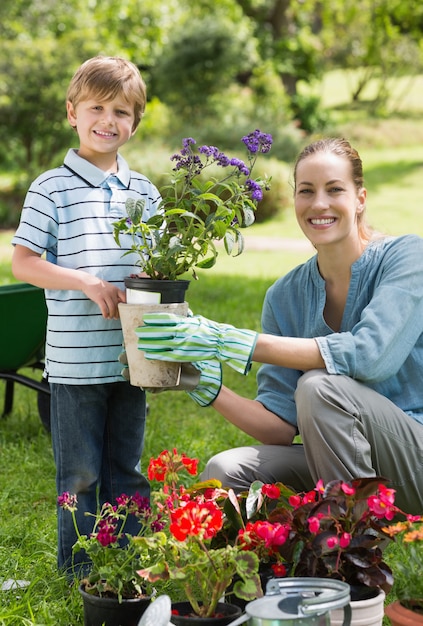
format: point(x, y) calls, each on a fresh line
point(171, 291)
point(110, 612)
point(225, 614)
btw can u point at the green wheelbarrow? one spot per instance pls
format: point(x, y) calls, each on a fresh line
point(23, 315)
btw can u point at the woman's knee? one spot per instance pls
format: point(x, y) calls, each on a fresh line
point(309, 392)
point(318, 394)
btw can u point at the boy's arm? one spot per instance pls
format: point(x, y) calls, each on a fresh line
point(30, 267)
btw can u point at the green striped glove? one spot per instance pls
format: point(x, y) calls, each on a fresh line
point(202, 381)
point(169, 337)
point(210, 382)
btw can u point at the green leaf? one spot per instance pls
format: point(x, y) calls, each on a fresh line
point(134, 208)
point(254, 498)
point(229, 242)
point(249, 217)
point(206, 263)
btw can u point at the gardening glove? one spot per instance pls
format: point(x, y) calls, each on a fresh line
point(169, 337)
point(123, 360)
point(209, 383)
point(202, 381)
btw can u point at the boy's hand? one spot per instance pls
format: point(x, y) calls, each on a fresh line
point(168, 337)
point(105, 295)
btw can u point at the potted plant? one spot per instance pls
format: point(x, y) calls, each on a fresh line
point(407, 564)
point(188, 551)
point(196, 213)
point(113, 593)
point(333, 531)
point(178, 527)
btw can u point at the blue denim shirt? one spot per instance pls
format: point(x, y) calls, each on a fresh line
point(380, 342)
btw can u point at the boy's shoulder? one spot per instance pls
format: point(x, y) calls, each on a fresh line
point(49, 175)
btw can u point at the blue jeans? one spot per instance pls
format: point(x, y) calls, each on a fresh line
point(97, 436)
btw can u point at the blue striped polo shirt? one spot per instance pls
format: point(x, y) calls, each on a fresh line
point(68, 214)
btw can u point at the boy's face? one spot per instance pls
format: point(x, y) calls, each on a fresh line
point(103, 127)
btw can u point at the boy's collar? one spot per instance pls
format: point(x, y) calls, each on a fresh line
point(92, 174)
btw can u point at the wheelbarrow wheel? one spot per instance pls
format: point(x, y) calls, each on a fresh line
point(43, 402)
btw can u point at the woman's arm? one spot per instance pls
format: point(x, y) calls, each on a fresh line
point(295, 353)
point(253, 418)
point(30, 267)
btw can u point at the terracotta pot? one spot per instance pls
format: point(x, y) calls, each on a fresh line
point(368, 612)
point(143, 372)
point(183, 616)
point(110, 612)
point(399, 615)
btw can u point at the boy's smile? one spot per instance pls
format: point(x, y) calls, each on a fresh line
point(102, 127)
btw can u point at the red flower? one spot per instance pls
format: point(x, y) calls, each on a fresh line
point(271, 491)
point(203, 519)
point(190, 465)
point(157, 469)
point(166, 466)
point(279, 570)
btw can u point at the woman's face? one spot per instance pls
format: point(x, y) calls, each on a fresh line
point(326, 199)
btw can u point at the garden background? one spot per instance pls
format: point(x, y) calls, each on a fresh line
point(215, 70)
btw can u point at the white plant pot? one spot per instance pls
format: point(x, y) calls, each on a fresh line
point(143, 372)
point(363, 612)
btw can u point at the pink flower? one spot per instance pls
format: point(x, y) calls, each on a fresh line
point(348, 489)
point(345, 540)
point(295, 501)
point(332, 542)
point(382, 504)
point(106, 533)
point(263, 533)
point(67, 501)
point(313, 524)
point(320, 486)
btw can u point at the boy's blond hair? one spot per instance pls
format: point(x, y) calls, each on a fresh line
point(106, 78)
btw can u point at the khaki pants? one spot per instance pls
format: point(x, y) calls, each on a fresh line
point(348, 431)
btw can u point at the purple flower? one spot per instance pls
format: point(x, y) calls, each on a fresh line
point(140, 506)
point(258, 142)
point(188, 141)
point(213, 153)
point(240, 165)
point(67, 501)
point(106, 532)
point(255, 189)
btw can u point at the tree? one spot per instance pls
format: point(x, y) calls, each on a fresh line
point(203, 57)
point(379, 39)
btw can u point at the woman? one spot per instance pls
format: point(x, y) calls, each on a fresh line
point(342, 348)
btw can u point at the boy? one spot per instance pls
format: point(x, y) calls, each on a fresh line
point(97, 418)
